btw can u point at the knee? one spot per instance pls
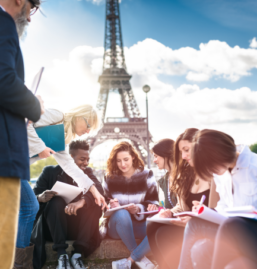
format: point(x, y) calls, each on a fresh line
point(241, 262)
point(33, 208)
point(55, 204)
point(121, 215)
point(192, 225)
point(201, 251)
point(232, 226)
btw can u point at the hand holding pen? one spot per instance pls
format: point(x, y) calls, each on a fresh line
point(114, 202)
point(197, 205)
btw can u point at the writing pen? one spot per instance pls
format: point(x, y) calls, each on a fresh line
point(163, 205)
point(202, 200)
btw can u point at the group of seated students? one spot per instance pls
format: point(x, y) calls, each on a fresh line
point(199, 162)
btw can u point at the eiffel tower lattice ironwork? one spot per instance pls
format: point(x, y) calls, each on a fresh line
point(115, 78)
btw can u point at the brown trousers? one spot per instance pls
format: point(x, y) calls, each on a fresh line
point(9, 211)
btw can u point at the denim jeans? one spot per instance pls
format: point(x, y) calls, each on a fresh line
point(28, 210)
point(121, 226)
point(197, 229)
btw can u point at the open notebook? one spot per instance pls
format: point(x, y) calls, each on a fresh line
point(169, 221)
point(215, 217)
point(109, 212)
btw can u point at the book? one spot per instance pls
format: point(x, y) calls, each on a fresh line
point(148, 212)
point(168, 221)
point(36, 81)
point(208, 214)
point(204, 213)
point(66, 191)
point(242, 209)
point(109, 212)
point(53, 136)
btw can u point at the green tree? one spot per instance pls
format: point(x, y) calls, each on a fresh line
point(37, 167)
point(253, 148)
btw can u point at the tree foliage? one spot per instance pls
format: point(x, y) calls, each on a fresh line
point(253, 148)
point(37, 167)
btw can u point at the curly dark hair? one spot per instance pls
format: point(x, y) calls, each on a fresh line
point(78, 144)
point(183, 175)
point(112, 168)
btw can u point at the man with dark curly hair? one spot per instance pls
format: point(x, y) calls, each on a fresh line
point(59, 222)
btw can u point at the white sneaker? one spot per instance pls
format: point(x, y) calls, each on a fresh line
point(76, 261)
point(121, 264)
point(63, 262)
point(145, 264)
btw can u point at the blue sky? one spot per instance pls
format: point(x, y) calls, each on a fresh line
point(195, 54)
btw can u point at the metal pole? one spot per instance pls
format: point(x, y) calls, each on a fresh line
point(148, 154)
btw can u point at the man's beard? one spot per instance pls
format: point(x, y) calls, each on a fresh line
point(21, 21)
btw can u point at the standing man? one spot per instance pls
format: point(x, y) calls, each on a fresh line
point(16, 104)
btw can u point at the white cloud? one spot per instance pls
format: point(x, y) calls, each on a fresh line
point(253, 43)
point(73, 81)
point(213, 59)
point(97, 2)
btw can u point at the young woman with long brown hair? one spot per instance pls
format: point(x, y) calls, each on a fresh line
point(126, 182)
point(234, 169)
point(166, 240)
point(164, 159)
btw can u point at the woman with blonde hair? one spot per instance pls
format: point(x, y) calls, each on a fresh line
point(77, 121)
point(128, 182)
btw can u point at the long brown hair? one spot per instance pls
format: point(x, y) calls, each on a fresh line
point(112, 168)
point(210, 150)
point(183, 175)
point(165, 149)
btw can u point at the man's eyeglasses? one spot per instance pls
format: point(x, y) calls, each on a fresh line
point(34, 8)
point(88, 125)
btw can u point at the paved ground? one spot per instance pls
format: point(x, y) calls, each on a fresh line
point(97, 264)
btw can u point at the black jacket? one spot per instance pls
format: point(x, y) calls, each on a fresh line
point(40, 232)
point(16, 104)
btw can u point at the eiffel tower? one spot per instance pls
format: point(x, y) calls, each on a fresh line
point(115, 78)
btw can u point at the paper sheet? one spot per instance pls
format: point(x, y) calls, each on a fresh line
point(66, 191)
point(148, 212)
point(109, 212)
point(242, 209)
point(168, 221)
point(204, 213)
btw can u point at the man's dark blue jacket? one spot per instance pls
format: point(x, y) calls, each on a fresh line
point(16, 104)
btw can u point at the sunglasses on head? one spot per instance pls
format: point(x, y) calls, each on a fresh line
point(34, 8)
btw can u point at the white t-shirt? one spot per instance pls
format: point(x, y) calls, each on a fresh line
point(238, 188)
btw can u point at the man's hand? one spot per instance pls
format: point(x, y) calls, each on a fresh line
point(99, 199)
point(41, 104)
point(46, 196)
point(46, 153)
point(133, 209)
point(71, 209)
point(114, 203)
point(152, 207)
point(165, 213)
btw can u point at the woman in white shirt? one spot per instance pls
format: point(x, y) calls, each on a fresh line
point(77, 121)
point(235, 173)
